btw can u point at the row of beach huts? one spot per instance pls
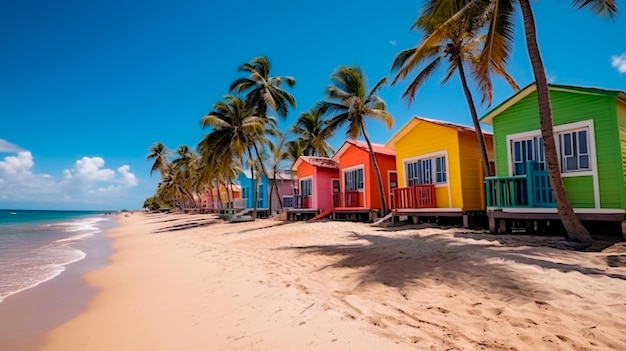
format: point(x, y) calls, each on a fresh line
point(432, 170)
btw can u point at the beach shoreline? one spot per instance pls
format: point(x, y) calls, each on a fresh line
point(188, 282)
point(25, 317)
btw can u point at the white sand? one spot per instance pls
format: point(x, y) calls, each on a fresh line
point(193, 282)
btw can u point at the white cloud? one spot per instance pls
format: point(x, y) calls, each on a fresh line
point(551, 78)
point(19, 165)
point(89, 169)
point(87, 182)
point(619, 62)
point(130, 178)
point(393, 42)
point(6, 146)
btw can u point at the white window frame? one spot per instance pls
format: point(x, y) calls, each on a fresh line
point(558, 130)
point(302, 181)
point(433, 167)
point(359, 187)
point(574, 150)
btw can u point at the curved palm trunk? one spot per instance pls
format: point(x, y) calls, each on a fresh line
point(220, 204)
point(472, 107)
point(575, 230)
point(255, 197)
point(381, 192)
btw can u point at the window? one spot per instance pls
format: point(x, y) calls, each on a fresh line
point(421, 171)
point(574, 151)
point(353, 179)
point(306, 186)
point(573, 148)
point(441, 169)
point(529, 149)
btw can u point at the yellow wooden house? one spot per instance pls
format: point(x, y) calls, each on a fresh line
point(439, 170)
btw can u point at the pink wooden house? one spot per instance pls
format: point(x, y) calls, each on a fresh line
point(316, 178)
point(358, 196)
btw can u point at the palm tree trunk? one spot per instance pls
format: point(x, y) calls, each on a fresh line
point(472, 107)
point(255, 197)
point(575, 230)
point(381, 192)
point(220, 204)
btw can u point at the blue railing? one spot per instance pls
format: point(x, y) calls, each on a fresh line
point(529, 190)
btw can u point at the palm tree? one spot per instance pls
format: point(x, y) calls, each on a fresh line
point(500, 23)
point(458, 46)
point(235, 131)
point(262, 90)
point(186, 167)
point(313, 133)
point(349, 104)
point(158, 153)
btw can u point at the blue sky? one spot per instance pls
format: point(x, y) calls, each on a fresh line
point(87, 86)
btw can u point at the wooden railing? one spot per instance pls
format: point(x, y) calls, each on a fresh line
point(348, 199)
point(288, 201)
point(507, 191)
point(529, 190)
point(416, 196)
point(296, 201)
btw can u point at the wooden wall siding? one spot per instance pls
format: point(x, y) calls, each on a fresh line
point(249, 183)
point(621, 114)
point(569, 107)
point(305, 170)
point(354, 157)
point(322, 188)
point(473, 189)
point(578, 192)
point(385, 163)
point(426, 138)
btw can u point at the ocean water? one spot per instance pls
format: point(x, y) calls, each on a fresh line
point(36, 246)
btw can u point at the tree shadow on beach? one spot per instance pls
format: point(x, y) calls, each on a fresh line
point(195, 223)
point(421, 259)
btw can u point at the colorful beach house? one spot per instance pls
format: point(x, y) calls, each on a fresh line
point(355, 192)
point(214, 199)
point(440, 171)
point(317, 180)
point(590, 135)
point(245, 181)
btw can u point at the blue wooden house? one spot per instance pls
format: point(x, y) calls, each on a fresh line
point(246, 182)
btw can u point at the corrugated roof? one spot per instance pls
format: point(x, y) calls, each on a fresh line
point(322, 162)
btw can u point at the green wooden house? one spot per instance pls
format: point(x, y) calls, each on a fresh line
point(590, 134)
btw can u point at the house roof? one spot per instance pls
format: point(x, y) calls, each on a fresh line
point(378, 148)
point(322, 162)
point(488, 118)
point(417, 120)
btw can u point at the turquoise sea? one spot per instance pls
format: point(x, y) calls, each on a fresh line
point(36, 246)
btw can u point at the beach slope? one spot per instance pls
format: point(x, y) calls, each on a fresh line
point(194, 282)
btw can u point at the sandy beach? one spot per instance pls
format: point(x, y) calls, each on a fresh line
point(194, 282)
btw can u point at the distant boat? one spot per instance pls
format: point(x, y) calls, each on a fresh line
point(12, 213)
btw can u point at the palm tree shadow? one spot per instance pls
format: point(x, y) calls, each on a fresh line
point(188, 225)
point(422, 260)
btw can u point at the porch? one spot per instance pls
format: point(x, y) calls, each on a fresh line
point(298, 207)
point(525, 203)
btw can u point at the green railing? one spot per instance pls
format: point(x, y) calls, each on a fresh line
point(529, 190)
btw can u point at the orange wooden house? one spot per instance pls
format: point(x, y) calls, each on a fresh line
point(355, 192)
